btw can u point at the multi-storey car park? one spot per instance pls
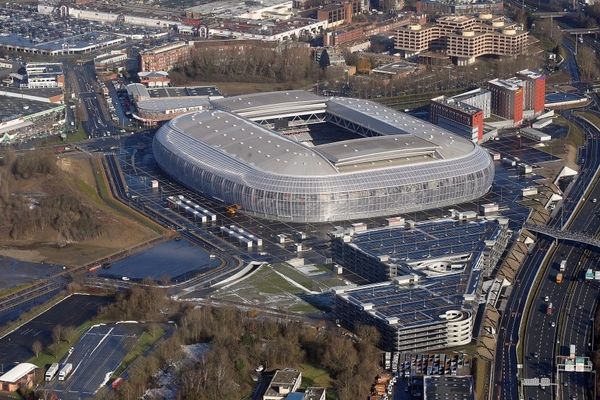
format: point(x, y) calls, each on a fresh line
point(412, 314)
point(390, 162)
point(427, 279)
point(432, 248)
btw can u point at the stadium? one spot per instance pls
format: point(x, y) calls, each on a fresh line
point(297, 157)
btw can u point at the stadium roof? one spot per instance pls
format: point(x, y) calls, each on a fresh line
point(405, 139)
point(267, 101)
point(17, 372)
point(386, 121)
point(252, 143)
point(161, 104)
point(378, 149)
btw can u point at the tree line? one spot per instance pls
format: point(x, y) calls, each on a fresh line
point(61, 210)
point(239, 341)
point(252, 63)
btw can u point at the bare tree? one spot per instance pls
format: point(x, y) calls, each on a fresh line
point(37, 348)
point(57, 333)
point(69, 334)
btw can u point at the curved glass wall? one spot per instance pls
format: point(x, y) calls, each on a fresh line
point(371, 193)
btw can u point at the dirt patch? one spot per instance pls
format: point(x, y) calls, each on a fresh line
point(79, 167)
point(23, 255)
point(76, 177)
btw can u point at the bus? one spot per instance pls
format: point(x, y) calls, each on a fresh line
point(65, 371)
point(51, 372)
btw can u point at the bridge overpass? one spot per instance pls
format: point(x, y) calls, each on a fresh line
point(578, 237)
point(542, 14)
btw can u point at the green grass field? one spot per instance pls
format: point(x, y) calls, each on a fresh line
point(315, 376)
point(269, 289)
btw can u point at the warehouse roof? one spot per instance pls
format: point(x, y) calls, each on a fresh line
point(166, 105)
point(17, 372)
point(405, 304)
point(15, 107)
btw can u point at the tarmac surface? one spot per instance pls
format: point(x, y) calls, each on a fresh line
point(97, 354)
point(72, 311)
point(16, 272)
point(174, 259)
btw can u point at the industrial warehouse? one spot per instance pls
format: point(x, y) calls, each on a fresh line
point(297, 157)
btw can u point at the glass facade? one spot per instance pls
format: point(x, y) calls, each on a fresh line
point(345, 195)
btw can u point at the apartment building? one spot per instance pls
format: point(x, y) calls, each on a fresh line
point(165, 58)
point(436, 7)
point(463, 38)
point(391, 5)
point(347, 34)
point(110, 60)
point(463, 114)
point(480, 98)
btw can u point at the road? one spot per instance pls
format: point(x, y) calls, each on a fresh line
point(188, 229)
point(570, 64)
point(574, 300)
point(540, 336)
point(96, 121)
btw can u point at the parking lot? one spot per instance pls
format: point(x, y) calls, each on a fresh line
point(139, 169)
point(175, 260)
point(15, 272)
point(72, 311)
point(97, 354)
point(26, 23)
point(521, 148)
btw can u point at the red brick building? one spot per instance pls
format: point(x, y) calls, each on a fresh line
point(349, 34)
point(535, 90)
point(458, 117)
point(165, 58)
point(507, 99)
point(340, 13)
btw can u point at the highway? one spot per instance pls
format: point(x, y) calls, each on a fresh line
point(574, 300)
point(570, 64)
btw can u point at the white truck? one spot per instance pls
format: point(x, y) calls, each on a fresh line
point(65, 371)
point(51, 372)
point(563, 266)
